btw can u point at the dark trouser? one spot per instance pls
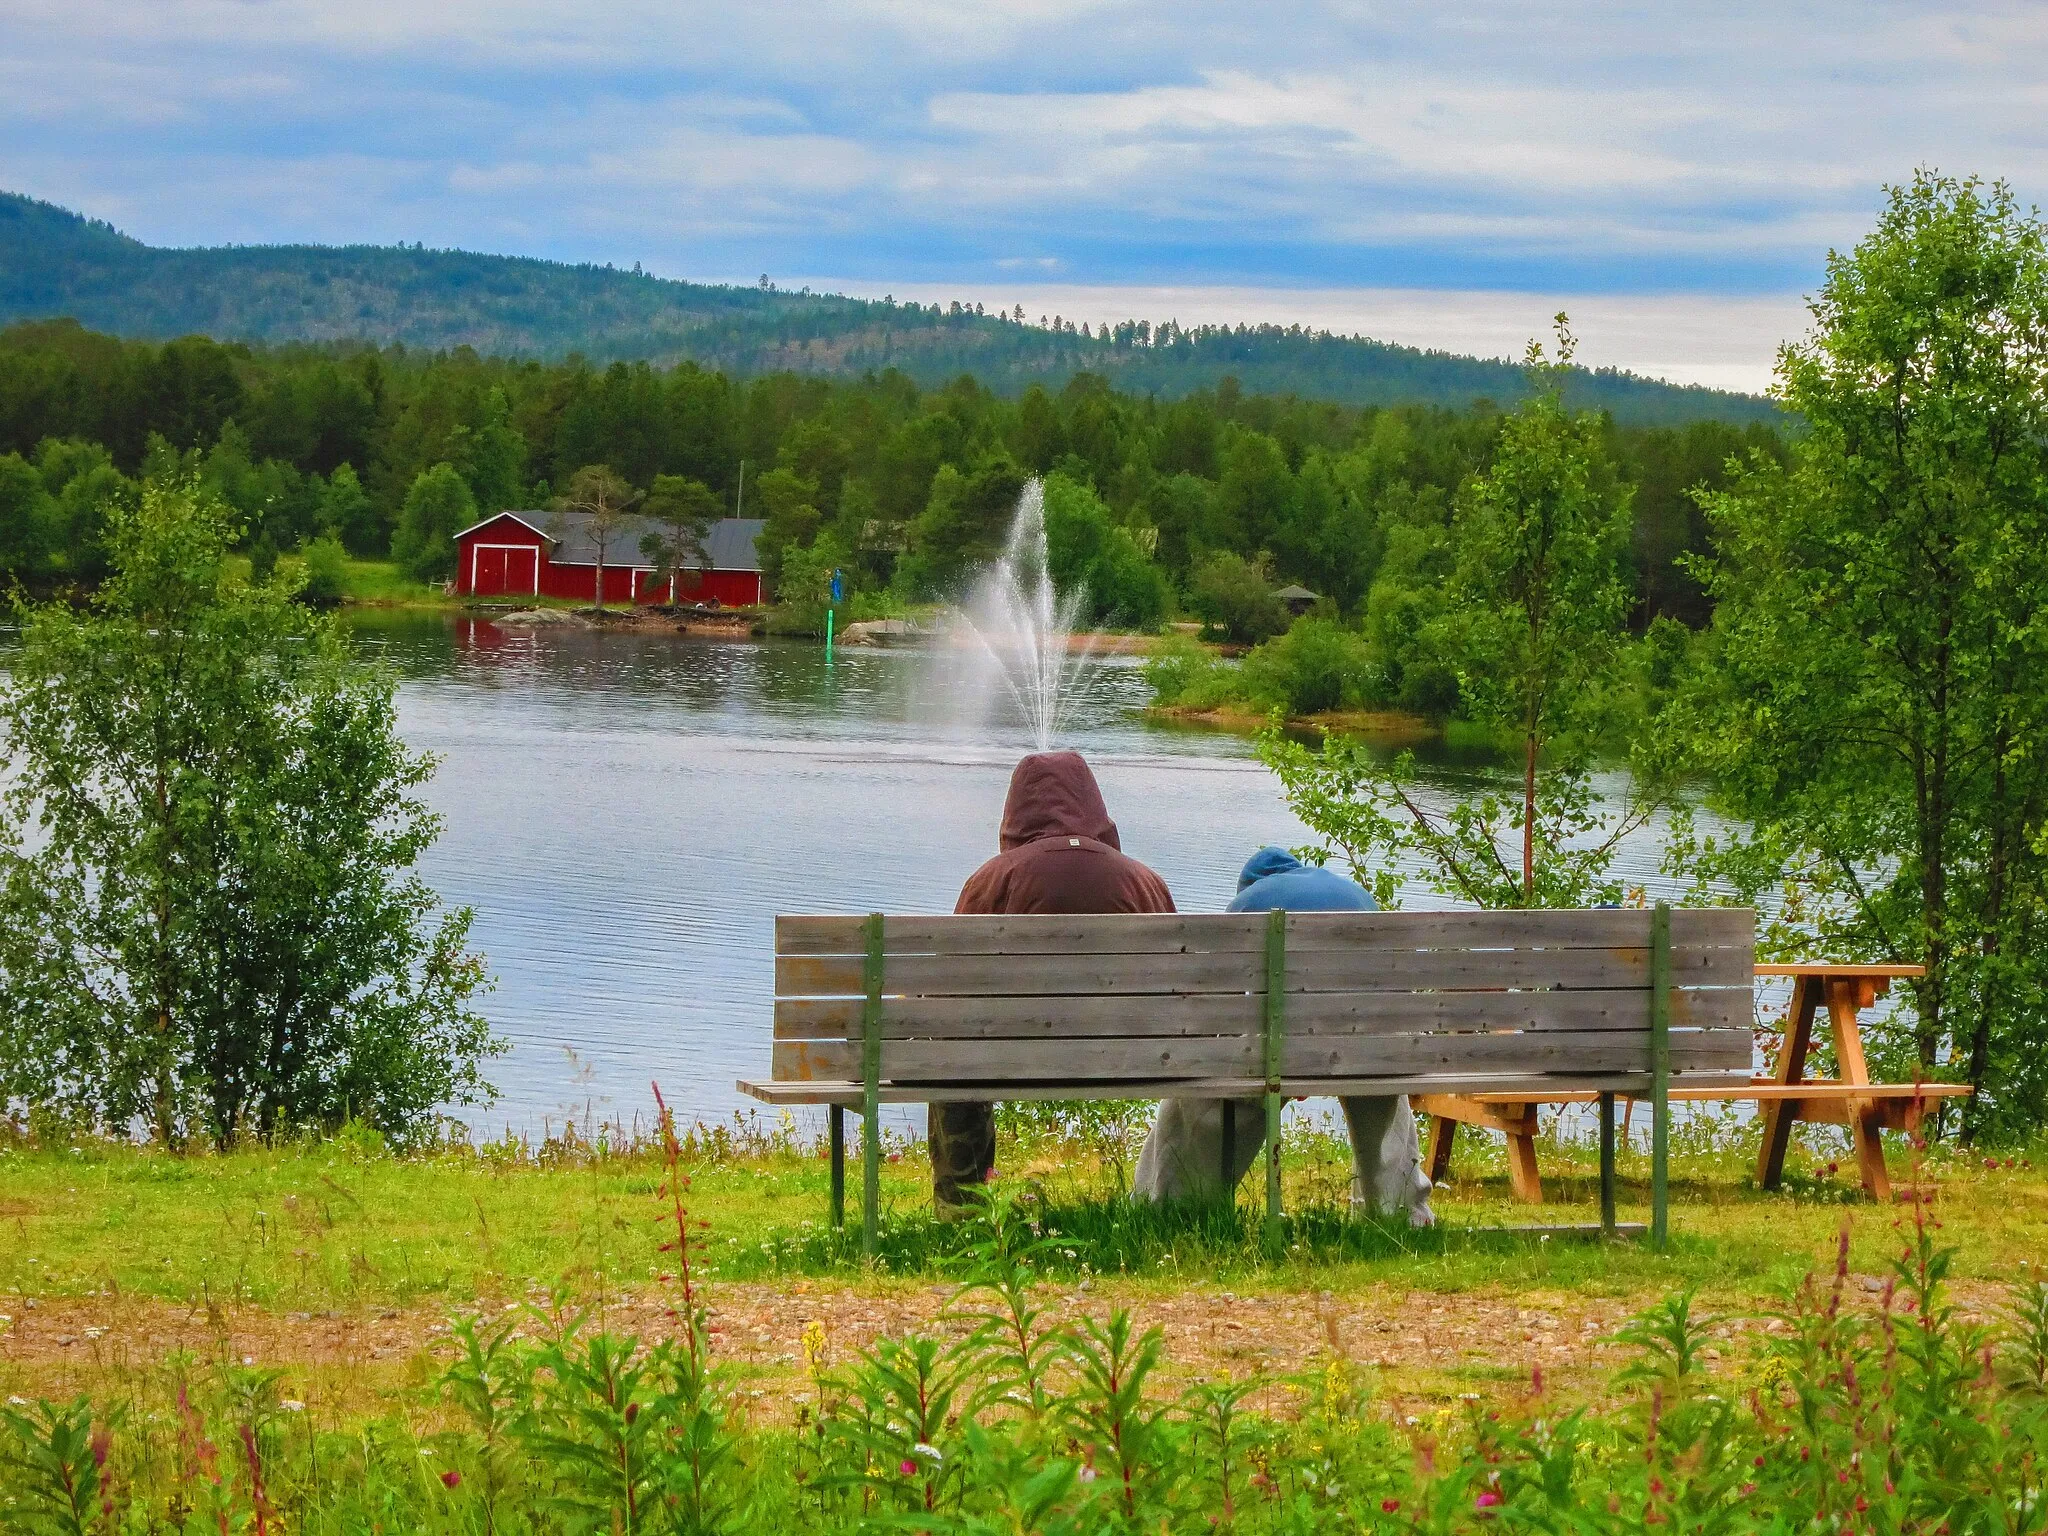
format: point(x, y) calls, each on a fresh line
point(963, 1143)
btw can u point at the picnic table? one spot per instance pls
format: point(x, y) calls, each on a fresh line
point(1784, 1097)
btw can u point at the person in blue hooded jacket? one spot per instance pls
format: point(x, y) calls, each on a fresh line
point(1183, 1155)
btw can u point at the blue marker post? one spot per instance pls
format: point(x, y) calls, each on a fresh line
point(831, 608)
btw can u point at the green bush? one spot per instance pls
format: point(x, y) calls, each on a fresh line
point(1317, 665)
point(326, 573)
point(1185, 676)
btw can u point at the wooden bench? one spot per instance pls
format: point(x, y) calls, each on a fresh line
point(1783, 1097)
point(883, 1009)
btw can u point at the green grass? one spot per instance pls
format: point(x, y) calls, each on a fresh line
point(339, 1224)
point(381, 581)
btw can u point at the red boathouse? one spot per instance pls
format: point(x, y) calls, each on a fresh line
point(554, 554)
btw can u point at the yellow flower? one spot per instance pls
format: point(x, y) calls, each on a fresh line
point(814, 1346)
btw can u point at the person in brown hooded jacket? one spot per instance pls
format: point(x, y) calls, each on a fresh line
point(1060, 854)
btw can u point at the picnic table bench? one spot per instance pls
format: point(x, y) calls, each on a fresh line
point(1783, 1097)
point(904, 1009)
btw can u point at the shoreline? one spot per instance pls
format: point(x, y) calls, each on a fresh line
point(1390, 726)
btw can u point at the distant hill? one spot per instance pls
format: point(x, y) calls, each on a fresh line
point(57, 263)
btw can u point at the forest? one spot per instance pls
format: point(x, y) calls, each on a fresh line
point(909, 489)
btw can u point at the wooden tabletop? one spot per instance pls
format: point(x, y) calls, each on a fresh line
point(1829, 968)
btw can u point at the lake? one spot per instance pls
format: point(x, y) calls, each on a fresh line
point(628, 812)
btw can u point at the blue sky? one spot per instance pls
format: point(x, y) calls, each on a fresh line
point(1679, 168)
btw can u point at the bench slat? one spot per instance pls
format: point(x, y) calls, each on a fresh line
point(1244, 933)
point(995, 1062)
point(1052, 975)
point(1362, 1013)
point(823, 1092)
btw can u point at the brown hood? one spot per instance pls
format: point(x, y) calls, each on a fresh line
point(1053, 794)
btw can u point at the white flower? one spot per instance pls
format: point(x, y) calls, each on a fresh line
point(292, 1405)
point(94, 1333)
point(929, 1451)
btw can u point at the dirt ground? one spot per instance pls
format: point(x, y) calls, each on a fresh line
point(1426, 1348)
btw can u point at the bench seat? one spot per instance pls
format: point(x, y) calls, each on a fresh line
point(889, 1009)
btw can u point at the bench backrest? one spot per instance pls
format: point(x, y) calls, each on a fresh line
point(1012, 1002)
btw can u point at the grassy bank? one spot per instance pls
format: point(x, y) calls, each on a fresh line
point(327, 1337)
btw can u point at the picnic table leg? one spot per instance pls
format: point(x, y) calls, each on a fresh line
point(835, 1121)
point(1443, 1136)
point(1778, 1114)
point(1523, 1177)
point(1844, 998)
point(1607, 1164)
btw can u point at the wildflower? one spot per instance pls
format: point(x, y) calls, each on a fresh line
point(451, 1478)
point(814, 1346)
point(1486, 1500)
point(292, 1405)
point(907, 1467)
point(1087, 1474)
point(1389, 1506)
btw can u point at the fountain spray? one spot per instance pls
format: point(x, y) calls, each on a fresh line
point(1026, 628)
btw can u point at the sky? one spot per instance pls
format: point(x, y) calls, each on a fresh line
point(1445, 174)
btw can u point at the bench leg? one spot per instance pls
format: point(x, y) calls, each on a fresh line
point(1523, 1177)
point(1229, 1147)
point(1273, 1103)
point(835, 1120)
point(1607, 1164)
point(1443, 1136)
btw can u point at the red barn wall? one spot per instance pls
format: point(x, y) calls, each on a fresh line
point(505, 558)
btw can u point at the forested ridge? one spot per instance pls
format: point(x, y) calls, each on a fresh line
point(55, 263)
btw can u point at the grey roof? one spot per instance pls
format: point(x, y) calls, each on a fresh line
point(1296, 595)
point(729, 545)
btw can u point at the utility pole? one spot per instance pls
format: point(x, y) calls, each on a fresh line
point(740, 503)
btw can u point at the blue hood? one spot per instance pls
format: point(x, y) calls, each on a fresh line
point(1267, 861)
point(1276, 878)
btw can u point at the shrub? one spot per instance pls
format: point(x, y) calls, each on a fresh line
point(1317, 665)
point(1184, 676)
point(326, 573)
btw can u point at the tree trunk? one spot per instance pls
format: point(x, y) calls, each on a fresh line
point(1529, 822)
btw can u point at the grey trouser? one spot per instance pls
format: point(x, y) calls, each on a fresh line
point(1183, 1156)
point(962, 1138)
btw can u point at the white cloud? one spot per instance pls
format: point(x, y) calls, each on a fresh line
point(1715, 145)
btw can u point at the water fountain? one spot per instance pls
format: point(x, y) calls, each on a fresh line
point(1022, 629)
